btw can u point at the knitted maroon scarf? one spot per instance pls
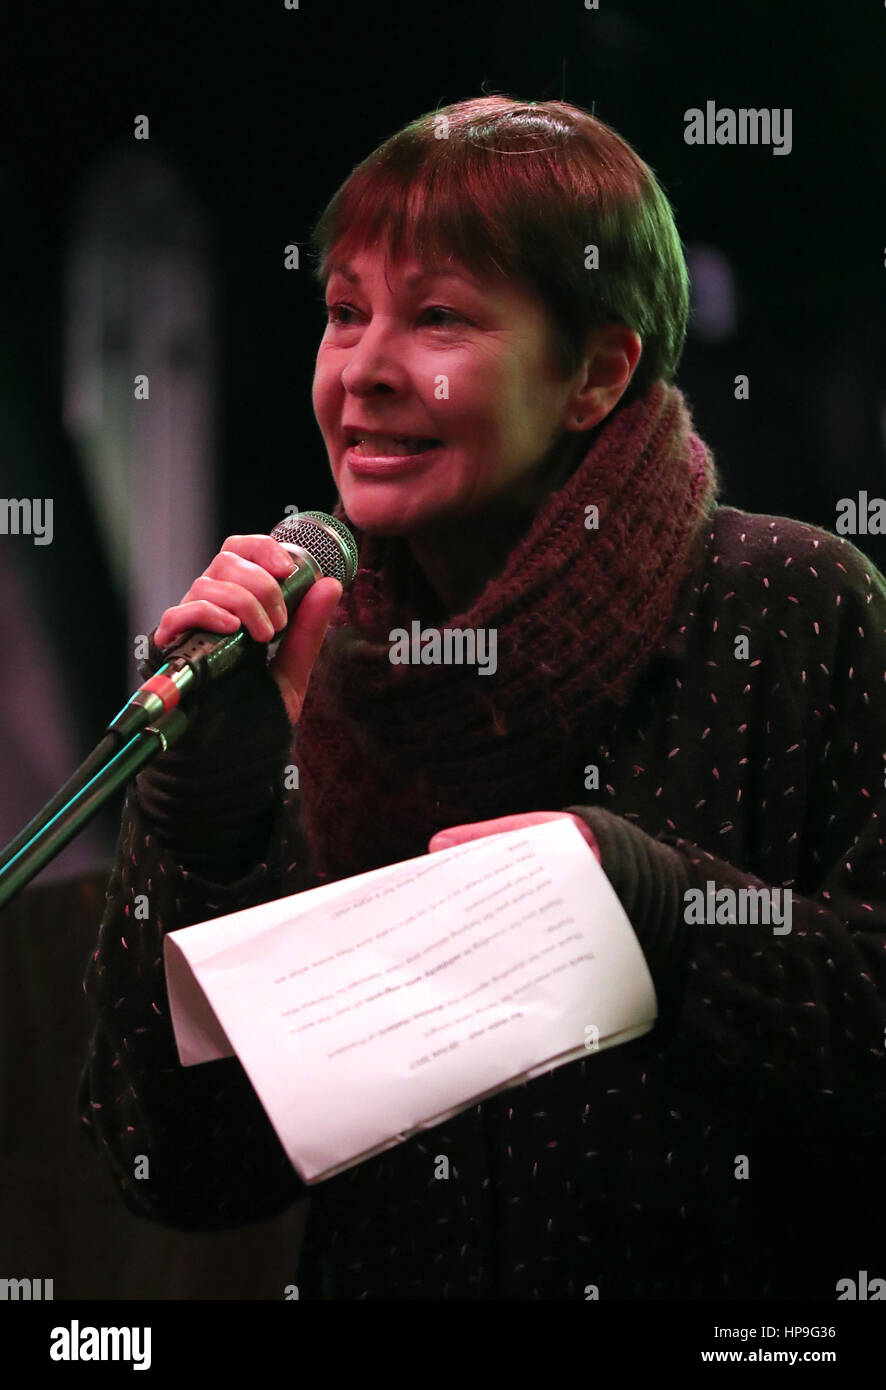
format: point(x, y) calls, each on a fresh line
point(389, 754)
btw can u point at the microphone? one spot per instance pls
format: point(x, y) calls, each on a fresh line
point(321, 547)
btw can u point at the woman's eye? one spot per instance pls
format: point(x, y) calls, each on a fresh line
point(334, 310)
point(449, 314)
point(334, 314)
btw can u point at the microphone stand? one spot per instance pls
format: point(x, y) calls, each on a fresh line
point(85, 772)
point(197, 659)
point(88, 800)
point(153, 720)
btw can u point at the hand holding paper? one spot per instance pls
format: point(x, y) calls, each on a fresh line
point(368, 1009)
point(460, 834)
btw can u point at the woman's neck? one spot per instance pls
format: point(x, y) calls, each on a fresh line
point(458, 561)
point(457, 566)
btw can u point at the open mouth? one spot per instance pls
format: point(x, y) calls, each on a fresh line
point(391, 446)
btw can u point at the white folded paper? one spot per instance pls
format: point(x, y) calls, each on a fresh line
point(368, 1009)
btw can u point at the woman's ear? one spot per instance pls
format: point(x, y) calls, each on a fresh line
point(605, 374)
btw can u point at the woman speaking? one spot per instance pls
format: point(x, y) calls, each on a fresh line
point(700, 688)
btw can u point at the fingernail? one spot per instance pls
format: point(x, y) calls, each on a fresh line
point(442, 842)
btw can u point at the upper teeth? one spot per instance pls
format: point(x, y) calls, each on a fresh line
point(386, 438)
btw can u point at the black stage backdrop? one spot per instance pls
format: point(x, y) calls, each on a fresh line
point(260, 112)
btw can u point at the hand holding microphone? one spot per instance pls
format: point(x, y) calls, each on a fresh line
point(240, 589)
point(243, 599)
point(209, 797)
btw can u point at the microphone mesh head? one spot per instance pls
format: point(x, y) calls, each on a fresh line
point(324, 537)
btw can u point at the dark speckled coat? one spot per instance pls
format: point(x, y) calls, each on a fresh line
point(616, 1172)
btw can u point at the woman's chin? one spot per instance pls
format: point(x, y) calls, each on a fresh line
point(380, 516)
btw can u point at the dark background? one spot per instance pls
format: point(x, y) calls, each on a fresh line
point(263, 112)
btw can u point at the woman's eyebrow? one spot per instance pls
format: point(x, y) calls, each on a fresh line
point(413, 278)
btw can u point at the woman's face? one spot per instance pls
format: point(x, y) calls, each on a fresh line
point(467, 363)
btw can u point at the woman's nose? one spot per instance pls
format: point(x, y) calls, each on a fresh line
point(377, 357)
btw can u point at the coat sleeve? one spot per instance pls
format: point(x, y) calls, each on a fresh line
point(802, 1010)
point(191, 1148)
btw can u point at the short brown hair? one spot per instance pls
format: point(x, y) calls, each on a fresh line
point(520, 190)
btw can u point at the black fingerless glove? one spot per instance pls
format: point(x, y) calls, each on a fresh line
point(212, 799)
